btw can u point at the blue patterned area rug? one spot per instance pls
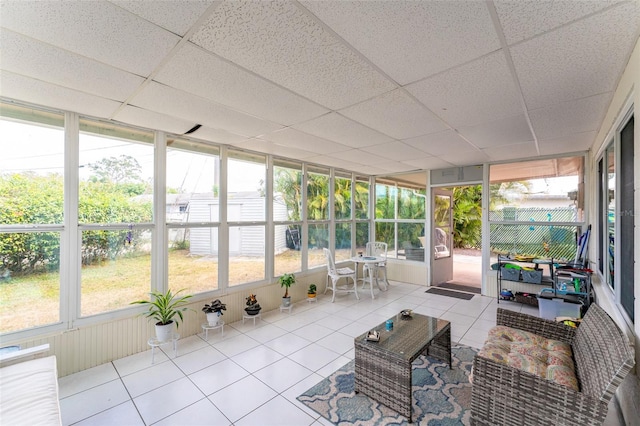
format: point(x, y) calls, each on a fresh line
point(441, 396)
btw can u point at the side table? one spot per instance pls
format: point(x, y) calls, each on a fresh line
point(206, 327)
point(154, 343)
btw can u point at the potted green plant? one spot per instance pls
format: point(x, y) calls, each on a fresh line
point(286, 281)
point(311, 293)
point(166, 309)
point(214, 311)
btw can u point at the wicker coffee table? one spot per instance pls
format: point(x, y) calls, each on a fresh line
point(383, 369)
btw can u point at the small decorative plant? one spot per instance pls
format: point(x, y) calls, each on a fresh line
point(312, 289)
point(286, 281)
point(165, 307)
point(214, 307)
point(253, 307)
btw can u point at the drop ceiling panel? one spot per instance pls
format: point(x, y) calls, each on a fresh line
point(166, 100)
point(466, 158)
point(333, 162)
point(395, 114)
point(570, 143)
point(428, 163)
point(563, 119)
point(31, 58)
point(95, 29)
point(281, 42)
point(275, 149)
point(218, 135)
point(524, 19)
point(395, 150)
point(474, 93)
point(340, 129)
point(428, 37)
point(360, 157)
point(177, 17)
point(440, 143)
point(369, 170)
point(576, 61)
point(510, 130)
point(152, 120)
point(38, 92)
point(511, 152)
point(395, 167)
point(199, 72)
point(297, 139)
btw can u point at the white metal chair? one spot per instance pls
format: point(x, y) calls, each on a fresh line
point(377, 249)
point(334, 274)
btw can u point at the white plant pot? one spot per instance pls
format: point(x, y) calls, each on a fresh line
point(213, 318)
point(286, 301)
point(164, 332)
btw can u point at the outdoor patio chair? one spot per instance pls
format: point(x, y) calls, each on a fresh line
point(335, 274)
point(377, 249)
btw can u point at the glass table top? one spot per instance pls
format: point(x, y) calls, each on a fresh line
point(408, 337)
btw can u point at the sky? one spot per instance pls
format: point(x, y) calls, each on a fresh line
point(41, 150)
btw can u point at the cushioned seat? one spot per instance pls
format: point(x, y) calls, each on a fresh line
point(547, 358)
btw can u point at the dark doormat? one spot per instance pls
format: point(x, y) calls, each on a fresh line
point(450, 293)
point(460, 287)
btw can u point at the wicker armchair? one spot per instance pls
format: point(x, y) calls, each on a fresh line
point(503, 395)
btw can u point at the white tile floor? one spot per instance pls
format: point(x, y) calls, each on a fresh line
point(253, 374)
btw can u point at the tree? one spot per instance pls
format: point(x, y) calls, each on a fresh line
point(122, 169)
point(467, 216)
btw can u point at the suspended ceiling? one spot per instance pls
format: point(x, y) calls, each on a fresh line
point(376, 87)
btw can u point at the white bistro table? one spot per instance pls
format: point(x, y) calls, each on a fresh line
point(372, 261)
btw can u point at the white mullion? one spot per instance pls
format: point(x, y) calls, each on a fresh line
point(270, 231)
point(70, 237)
point(332, 211)
point(159, 256)
point(305, 220)
point(223, 230)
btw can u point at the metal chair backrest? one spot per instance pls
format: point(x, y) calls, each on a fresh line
point(331, 266)
point(378, 249)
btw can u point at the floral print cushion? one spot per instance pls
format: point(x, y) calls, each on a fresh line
point(546, 358)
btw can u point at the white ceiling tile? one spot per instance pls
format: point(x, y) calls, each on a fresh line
point(506, 131)
point(31, 58)
point(218, 135)
point(166, 100)
point(466, 158)
point(428, 163)
point(480, 91)
point(95, 29)
point(395, 167)
point(511, 152)
point(281, 42)
point(275, 149)
point(340, 129)
point(395, 150)
point(569, 143)
point(428, 36)
point(152, 120)
point(576, 60)
point(297, 139)
point(440, 143)
point(360, 157)
point(199, 72)
point(38, 92)
point(523, 19)
point(369, 170)
point(175, 16)
point(333, 162)
point(570, 117)
point(395, 114)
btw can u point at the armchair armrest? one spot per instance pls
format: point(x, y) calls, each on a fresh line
point(542, 327)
